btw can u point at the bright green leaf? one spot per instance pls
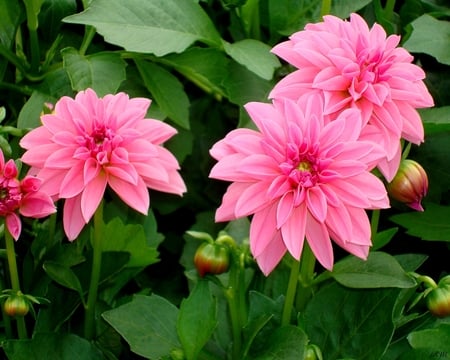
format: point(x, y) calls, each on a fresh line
point(379, 270)
point(167, 91)
point(435, 340)
point(129, 238)
point(255, 56)
point(157, 26)
point(103, 71)
point(351, 323)
point(196, 319)
point(432, 224)
point(51, 346)
point(430, 36)
point(148, 324)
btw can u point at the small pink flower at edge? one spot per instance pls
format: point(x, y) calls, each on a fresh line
point(24, 197)
point(300, 177)
point(88, 143)
point(357, 67)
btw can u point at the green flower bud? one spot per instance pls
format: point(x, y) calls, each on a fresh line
point(212, 258)
point(409, 185)
point(16, 305)
point(438, 301)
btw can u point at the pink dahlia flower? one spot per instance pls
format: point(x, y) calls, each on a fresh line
point(301, 177)
point(354, 66)
point(89, 142)
point(24, 197)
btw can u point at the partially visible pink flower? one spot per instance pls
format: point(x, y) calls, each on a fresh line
point(301, 177)
point(89, 142)
point(21, 197)
point(357, 67)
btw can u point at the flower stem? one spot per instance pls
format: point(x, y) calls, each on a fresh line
point(308, 263)
point(374, 220)
point(14, 277)
point(89, 323)
point(236, 302)
point(290, 293)
point(326, 8)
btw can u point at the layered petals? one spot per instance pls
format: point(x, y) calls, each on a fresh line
point(24, 197)
point(354, 66)
point(305, 179)
point(89, 143)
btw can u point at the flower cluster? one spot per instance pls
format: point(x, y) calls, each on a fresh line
point(23, 197)
point(88, 143)
point(353, 66)
point(305, 172)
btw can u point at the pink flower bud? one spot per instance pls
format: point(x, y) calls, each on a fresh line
point(409, 185)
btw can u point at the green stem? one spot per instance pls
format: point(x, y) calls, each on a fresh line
point(87, 39)
point(32, 24)
point(232, 294)
point(290, 293)
point(374, 220)
point(308, 263)
point(14, 276)
point(326, 8)
point(389, 9)
point(89, 324)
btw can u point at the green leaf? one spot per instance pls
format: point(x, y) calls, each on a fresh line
point(255, 56)
point(379, 270)
point(52, 12)
point(11, 16)
point(158, 26)
point(436, 119)
point(436, 340)
point(432, 224)
point(243, 85)
point(55, 85)
point(196, 319)
point(262, 310)
point(103, 71)
point(343, 8)
point(63, 275)
point(285, 343)
point(167, 90)
point(129, 238)
point(430, 36)
point(382, 238)
point(59, 346)
point(207, 75)
point(148, 325)
point(351, 323)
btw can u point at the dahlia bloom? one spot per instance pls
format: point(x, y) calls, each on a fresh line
point(301, 177)
point(21, 196)
point(89, 142)
point(357, 67)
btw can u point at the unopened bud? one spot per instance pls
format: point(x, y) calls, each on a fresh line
point(409, 185)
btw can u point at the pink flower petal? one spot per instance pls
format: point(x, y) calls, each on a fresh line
point(294, 230)
point(134, 195)
point(37, 205)
point(14, 225)
point(92, 195)
point(73, 220)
